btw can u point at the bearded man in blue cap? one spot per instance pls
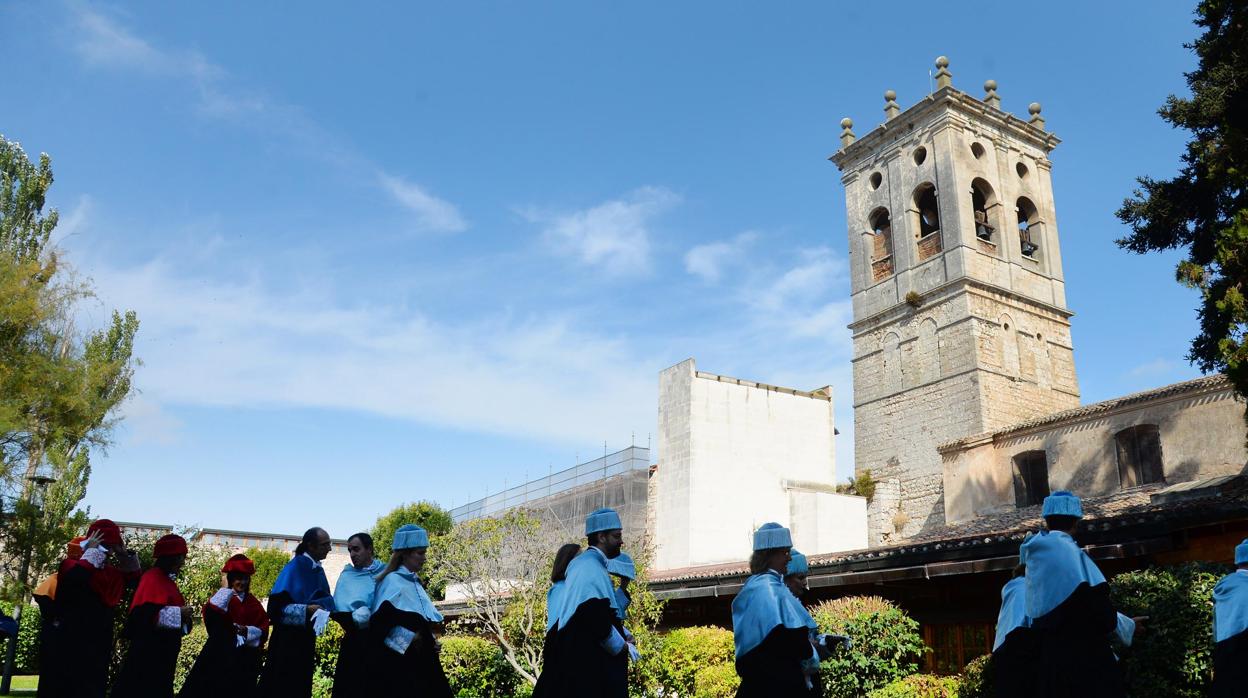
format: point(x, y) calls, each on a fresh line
point(587, 648)
point(770, 629)
point(1067, 602)
point(1230, 629)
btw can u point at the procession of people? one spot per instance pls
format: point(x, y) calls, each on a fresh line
point(1055, 635)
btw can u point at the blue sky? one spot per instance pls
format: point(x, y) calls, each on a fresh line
point(417, 251)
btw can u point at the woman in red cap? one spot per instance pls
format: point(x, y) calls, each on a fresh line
point(237, 628)
point(159, 617)
point(87, 592)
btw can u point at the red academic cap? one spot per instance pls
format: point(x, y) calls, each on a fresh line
point(109, 533)
point(239, 563)
point(168, 545)
point(73, 551)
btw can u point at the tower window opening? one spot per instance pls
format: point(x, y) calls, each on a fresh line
point(981, 199)
point(920, 155)
point(1139, 455)
point(977, 150)
point(881, 245)
point(1021, 169)
point(929, 220)
point(876, 179)
point(1031, 478)
point(1028, 228)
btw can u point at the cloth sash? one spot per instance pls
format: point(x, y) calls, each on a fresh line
point(763, 603)
point(356, 587)
point(1013, 613)
point(587, 579)
point(404, 591)
point(155, 587)
point(1056, 566)
point(553, 598)
point(305, 582)
point(1230, 606)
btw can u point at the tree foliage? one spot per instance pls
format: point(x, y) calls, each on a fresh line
point(1204, 208)
point(429, 516)
point(59, 387)
point(269, 564)
point(887, 644)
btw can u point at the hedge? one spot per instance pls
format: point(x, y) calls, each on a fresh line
point(887, 644)
point(716, 681)
point(977, 679)
point(685, 651)
point(476, 668)
point(919, 686)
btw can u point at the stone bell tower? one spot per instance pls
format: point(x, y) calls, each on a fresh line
point(960, 319)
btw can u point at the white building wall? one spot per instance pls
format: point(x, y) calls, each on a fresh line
point(735, 454)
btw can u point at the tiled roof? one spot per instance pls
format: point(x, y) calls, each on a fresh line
point(1223, 498)
point(1216, 381)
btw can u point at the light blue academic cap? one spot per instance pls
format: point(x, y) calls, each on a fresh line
point(1241, 552)
point(772, 535)
point(797, 564)
point(410, 536)
point(602, 520)
point(622, 566)
point(1062, 503)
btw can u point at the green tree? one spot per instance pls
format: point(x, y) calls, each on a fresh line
point(59, 387)
point(429, 516)
point(1204, 209)
point(269, 564)
point(887, 644)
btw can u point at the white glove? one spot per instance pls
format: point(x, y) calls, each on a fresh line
point(320, 619)
point(361, 616)
point(633, 654)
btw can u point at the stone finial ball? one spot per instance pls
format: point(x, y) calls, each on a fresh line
point(942, 62)
point(990, 85)
point(1033, 108)
point(890, 95)
point(847, 123)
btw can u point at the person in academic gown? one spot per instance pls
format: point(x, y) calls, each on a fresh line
point(624, 570)
point(88, 591)
point(770, 630)
point(50, 626)
point(299, 608)
point(353, 601)
point(1013, 648)
point(237, 627)
point(1067, 601)
point(405, 660)
point(825, 645)
point(588, 649)
point(554, 598)
point(1230, 629)
point(159, 617)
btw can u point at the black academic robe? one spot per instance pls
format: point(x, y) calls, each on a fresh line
point(773, 669)
point(49, 652)
point(86, 612)
point(291, 658)
point(1073, 655)
point(1230, 666)
point(152, 657)
point(352, 673)
point(580, 665)
point(1013, 665)
point(416, 672)
point(223, 667)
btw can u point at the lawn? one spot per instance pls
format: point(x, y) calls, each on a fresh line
point(24, 685)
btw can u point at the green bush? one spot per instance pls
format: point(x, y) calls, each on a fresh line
point(269, 563)
point(327, 645)
point(919, 686)
point(887, 644)
point(476, 668)
point(686, 650)
point(1174, 657)
point(28, 627)
point(192, 645)
point(716, 681)
point(977, 679)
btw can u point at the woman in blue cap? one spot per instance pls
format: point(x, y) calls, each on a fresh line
point(770, 631)
point(1230, 629)
point(1013, 647)
point(406, 658)
point(795, 578)
point(587, 648)
point(1067, 602)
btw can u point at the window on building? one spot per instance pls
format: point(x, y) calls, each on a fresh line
point(928, 228)
point(1139, 455)
point(1031, 478)
point(954, 645)
point(1028, 227)
point(881, 245)
point(982, 198)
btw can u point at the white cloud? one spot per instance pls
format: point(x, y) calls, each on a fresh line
point(238, 343)
point(1155, 367)
point(614, 235)
point(708, 261)
point(145, 421)
point(432, 214)
point(74, 221)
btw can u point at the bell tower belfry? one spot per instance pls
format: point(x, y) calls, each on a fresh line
point(960, 323)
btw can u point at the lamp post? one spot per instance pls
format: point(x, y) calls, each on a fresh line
point(35, 494)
